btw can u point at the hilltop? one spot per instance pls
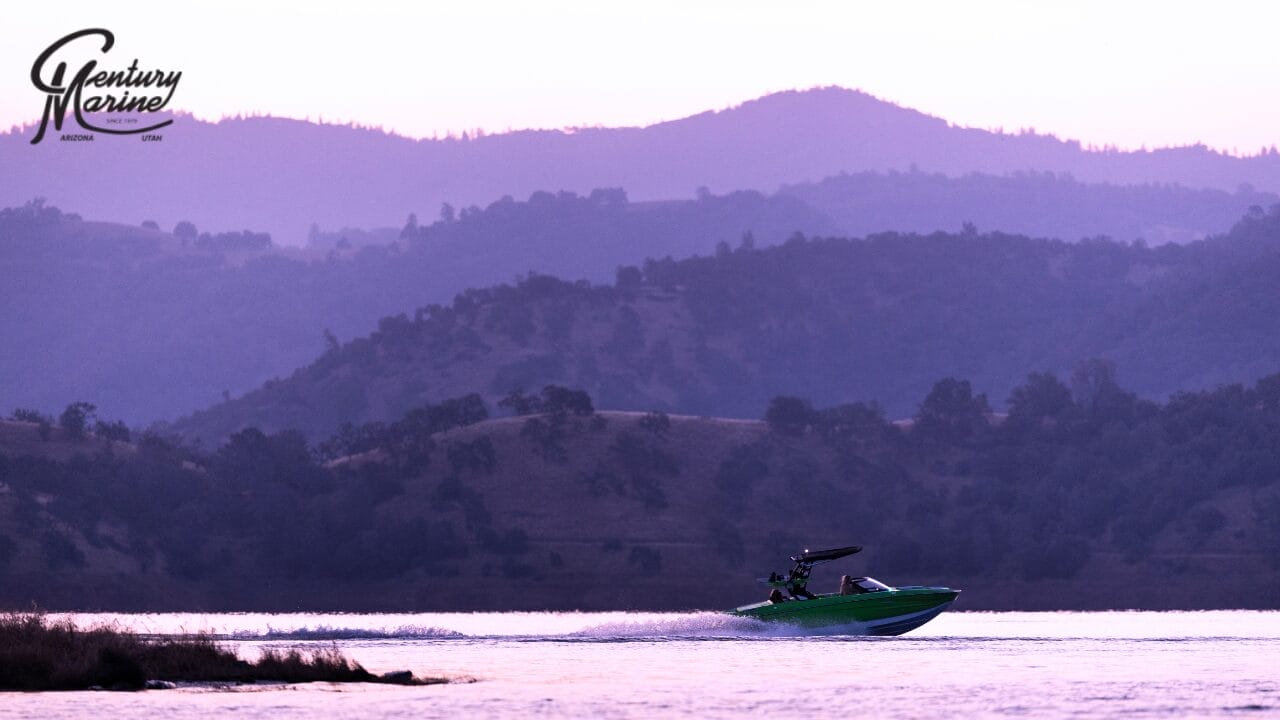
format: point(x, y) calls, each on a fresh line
point(280, 176)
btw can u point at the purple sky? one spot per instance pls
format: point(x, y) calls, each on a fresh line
point(1129, 74)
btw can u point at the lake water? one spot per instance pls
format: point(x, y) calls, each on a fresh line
point(621, 665)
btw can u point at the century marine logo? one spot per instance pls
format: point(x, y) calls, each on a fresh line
point(120, 96)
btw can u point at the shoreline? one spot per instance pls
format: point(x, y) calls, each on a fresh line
point(42, 654)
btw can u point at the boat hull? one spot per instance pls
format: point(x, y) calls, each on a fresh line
point(892, 612)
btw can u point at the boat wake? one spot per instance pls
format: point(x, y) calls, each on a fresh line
point(709, 625)
point(325, 632)
point(648, 628)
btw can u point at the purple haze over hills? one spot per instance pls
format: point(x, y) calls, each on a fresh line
point(282, 175)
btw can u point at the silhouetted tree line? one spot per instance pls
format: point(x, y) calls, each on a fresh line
point(261, 505)
point(244, 241)
point(1070, 470)
point(1028, 203)
point(32, 215)
point(77, 421)
point(406, 440)
point(556, 411)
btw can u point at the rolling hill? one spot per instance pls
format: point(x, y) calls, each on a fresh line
point(833, 320)
point(282, 175)
point(151, 329)
point(1083, 499)
point(153, 326)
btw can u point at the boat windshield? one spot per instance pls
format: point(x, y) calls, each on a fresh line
point(871, 585)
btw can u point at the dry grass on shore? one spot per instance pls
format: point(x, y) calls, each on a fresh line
point(39, 654)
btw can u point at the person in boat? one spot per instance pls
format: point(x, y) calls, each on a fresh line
point(796, 584)
point(847, 586)
point(775, 596)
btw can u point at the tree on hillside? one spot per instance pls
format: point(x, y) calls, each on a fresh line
point(608, 196)
point(186, 232)
point(331, 343)
point(1092, 380)
point(850, 419)
point(1267, 391)
point(789, 415)
point(410, 228)
point(643, 463)
point(113, 430)
point(252, 459)
point(520, 404)
point(478, 455)
point(74, 421)
point(26, 415)
point(44, 423)
point(560, 408)
point(562, 400)
point(628, 278)
point(657, 423)
point(554, 400)
point(461, 411)
point(1094, 387)
point(1266, 507)
point(951, 412)
point(243, 241)
point(34, 213)
point(1042, 397)
point(353, 440)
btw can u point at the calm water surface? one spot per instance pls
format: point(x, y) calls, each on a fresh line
point(518, 665)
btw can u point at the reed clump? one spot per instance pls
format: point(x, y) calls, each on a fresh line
point(37, 653)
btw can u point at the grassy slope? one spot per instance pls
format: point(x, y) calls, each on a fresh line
point(109, 576)
point(553, 505)
point(23, 438)
point(371, 379)
point(582, 543)
point(832, 320)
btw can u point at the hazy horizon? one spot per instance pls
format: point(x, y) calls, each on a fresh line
point(1142, 75)
point(474, 133)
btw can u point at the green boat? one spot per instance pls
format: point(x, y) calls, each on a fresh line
point(862, 606)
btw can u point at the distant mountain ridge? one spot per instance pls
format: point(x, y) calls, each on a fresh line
point(152, 328)
point(1035, 204)
point(283, 175)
